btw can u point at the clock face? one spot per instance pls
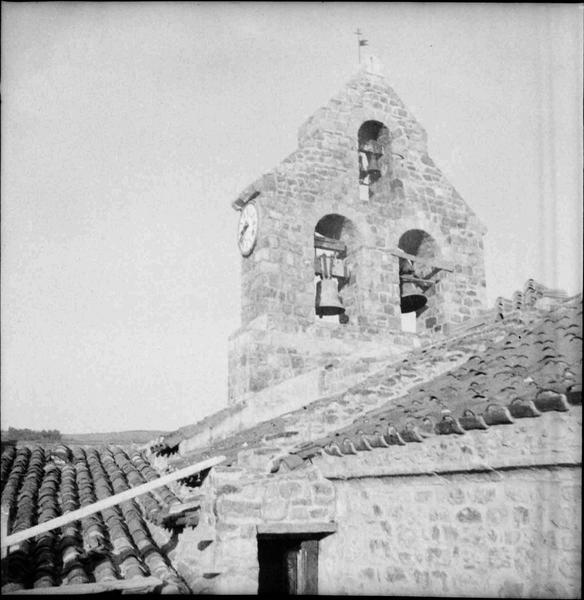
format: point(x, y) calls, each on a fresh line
point(247, 230)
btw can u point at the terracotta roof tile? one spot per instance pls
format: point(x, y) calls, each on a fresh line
point(40, 484)
point(527, 372)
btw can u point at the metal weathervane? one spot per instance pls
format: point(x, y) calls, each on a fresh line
point(360, 42)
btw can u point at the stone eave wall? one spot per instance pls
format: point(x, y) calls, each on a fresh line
point(220, 554)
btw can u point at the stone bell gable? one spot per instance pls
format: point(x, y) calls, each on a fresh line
point(361, 189)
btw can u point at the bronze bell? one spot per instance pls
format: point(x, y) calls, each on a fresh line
point(412, 298)
point(328, 301)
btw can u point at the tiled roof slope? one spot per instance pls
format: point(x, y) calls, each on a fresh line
point(468, 380)
point(533, 369)
point(39, 484)
point(533, 293)
point(392, 379)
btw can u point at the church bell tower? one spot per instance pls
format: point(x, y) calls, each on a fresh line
point(355, 244)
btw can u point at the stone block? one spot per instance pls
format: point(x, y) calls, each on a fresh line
point(299, 513)
point(496, 515)
point(472, 556)
point(500, 557)
point(323, 489)
point(421, 579)
point(520, 516)
point(227, 507)
point(456, 496)
point(300, 501)
point(228, 488)
point(482, 495)
point(469, 515)
point(291, 489)
point(394, 574)
point(319, 513)
point(449, 533)
point(512, 536)
point(439, 515)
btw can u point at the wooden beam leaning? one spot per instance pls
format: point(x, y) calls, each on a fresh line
point(81, 513)
point(4, 526)
point(440, 264)
point(325, 243)
point(137, 585)
point(429, 262)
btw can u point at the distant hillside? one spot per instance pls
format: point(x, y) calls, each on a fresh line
point(114, 437)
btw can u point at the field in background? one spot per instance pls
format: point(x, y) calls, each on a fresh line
point(93, 439)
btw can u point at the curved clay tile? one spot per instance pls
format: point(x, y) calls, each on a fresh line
point(377, 440)
point(361, 442)
point(426, 427)
point(448, 425)
point(392, 436)
point(27, 497)
point(519, 370)
point(7, 461)
point(102, 568)
point(45, 572)
point(71, 550)
point(333, 449)
point(496, 414)
point(469, 420)
point(548, 400)
point(410, 433)
point(523, 408)
point(502, 375)
point(348, 447)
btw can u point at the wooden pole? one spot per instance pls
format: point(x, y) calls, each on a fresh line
point(428, 262)
point(136, 585)
point(81, 513)
point(5, 515)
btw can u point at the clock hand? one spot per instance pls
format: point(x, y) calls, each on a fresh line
point(243, 231)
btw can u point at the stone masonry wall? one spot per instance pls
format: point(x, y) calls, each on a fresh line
point(492, 513)
point(219, 556)
point(265, 354)
point(506, 534)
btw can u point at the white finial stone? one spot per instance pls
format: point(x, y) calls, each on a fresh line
point(373, 65)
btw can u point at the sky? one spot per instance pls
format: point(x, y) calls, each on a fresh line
point(129, 128)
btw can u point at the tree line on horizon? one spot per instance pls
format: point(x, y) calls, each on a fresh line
point(45, 435)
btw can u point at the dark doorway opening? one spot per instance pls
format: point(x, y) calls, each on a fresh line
point(288, 565)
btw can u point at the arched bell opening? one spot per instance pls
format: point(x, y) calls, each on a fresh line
point(417, 289)
point(335, 241)
point(373, 144)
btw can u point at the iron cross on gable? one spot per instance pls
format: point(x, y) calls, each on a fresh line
point(360, 42)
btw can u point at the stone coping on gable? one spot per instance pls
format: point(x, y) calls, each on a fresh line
point(553, 439)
